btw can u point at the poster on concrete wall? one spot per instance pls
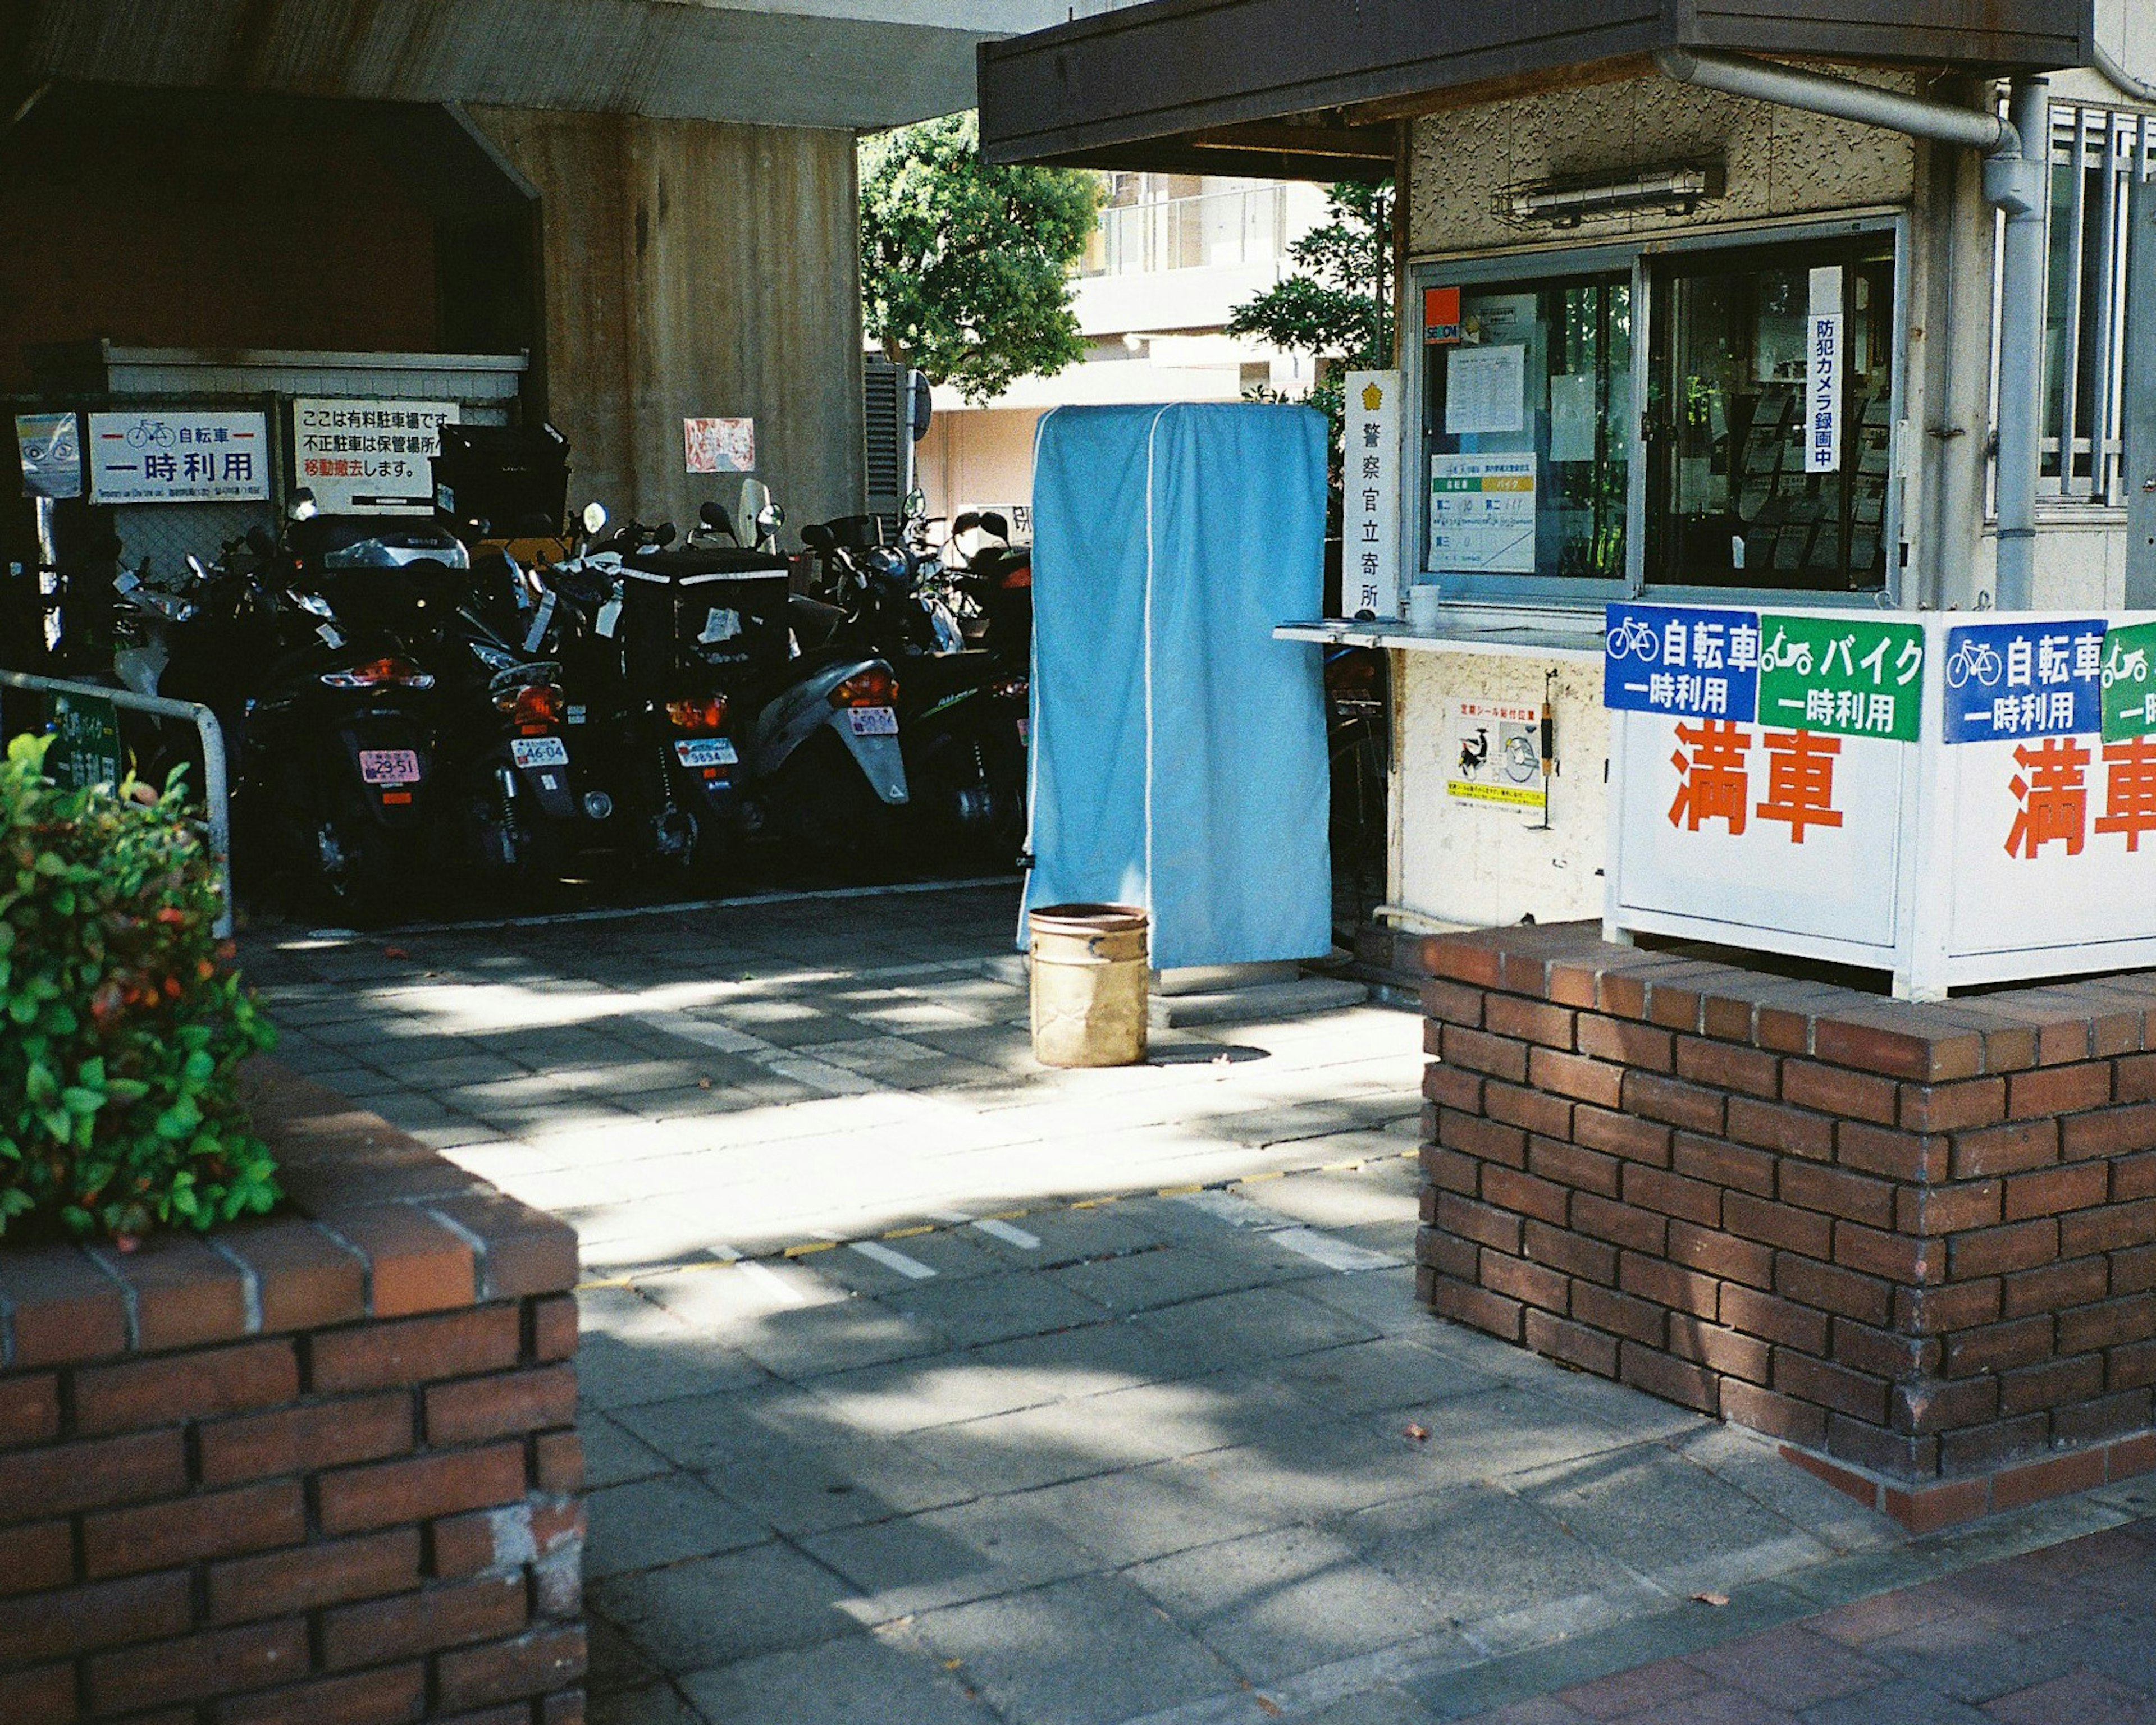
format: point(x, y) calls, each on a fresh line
point(719, 445)
point(368, 457)
point(1370, 496)
point(1493, 754)
point(179, 455)
point(1482, 515)
point(51, 447)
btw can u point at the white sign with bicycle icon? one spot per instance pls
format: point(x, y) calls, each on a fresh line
point(2002, 827)
point(181, 456)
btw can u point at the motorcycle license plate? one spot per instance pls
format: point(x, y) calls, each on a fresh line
point(873, 720)
point(706, 752)
point(539, 751)
point(389, 766)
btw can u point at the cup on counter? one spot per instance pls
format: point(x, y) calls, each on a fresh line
point(1424, 608)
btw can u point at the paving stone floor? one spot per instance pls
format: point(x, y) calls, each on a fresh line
point(888, 1418)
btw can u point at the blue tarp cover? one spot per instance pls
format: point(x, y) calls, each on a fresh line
point(1178, 750)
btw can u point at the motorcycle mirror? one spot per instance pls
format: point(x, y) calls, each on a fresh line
point(195, 567)
point(714, 515)
point(594, 517)
point(966, 522)
point(662, 535)
point(993, 522)
point(819, 538)
point(770, 519)
point(303, 508)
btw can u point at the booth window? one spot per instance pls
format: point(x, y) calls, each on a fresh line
point(1527, 398)
point(1769, 417)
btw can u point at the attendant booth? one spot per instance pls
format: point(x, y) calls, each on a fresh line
point(1715, 305)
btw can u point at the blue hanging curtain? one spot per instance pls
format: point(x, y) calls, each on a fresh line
point(1178, 750)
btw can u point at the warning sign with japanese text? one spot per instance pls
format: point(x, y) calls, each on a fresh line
point(1849, 679)
point(1682, 659)
point(364, 457)
point(2039, 678)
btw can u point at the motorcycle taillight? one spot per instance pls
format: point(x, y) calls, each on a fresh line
point(536, 705)
point(873, 687)
point(705, 715)
point(1018, 578)
point(375, 672)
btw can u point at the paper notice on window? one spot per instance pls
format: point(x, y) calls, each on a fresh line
point(1485, 390)
point(1572, 416)
point(1482, 515)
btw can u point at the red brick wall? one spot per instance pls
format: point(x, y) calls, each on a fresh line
point(1916, 1241)
point(323, 1468)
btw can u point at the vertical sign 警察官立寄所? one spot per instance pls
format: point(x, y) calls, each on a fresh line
point(2040, 678)
point(1688, 660)
point(1370, 497)
point(1841, 675)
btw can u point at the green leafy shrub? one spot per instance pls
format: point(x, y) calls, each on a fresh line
point(122, 1024)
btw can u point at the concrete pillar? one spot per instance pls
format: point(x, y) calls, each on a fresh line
point(688, 268)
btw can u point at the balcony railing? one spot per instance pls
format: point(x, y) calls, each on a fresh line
point(1215, 230)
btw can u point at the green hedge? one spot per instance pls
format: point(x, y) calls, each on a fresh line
point(122, 1022)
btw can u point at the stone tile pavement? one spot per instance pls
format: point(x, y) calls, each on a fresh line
point(888, 1417)
point(2054, 1637)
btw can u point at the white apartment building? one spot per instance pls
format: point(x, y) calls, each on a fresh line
point(1173, 257)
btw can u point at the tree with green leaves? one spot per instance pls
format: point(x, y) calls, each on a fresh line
point(1337, 306)
point(966, 268)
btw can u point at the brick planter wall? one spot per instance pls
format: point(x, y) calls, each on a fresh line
point(1916, 1243)
point(322, 1469)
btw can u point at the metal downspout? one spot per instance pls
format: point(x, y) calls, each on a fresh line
point(2017, 179)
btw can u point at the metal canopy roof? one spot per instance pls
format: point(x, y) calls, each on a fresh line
point(1309, 89)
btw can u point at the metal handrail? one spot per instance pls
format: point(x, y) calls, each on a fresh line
point(217, 791)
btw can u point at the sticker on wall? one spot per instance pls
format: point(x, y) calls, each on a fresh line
point(1440, 316)
point(52, 455)
point(2041, 678)
point(719, 445)
point(1684, 659)
point(1493, 754)
point(1830, 674)
point(1482, 515)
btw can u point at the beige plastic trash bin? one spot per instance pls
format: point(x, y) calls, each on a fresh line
point(1091, 972)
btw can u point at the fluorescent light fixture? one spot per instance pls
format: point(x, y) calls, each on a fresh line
point(1567, 203)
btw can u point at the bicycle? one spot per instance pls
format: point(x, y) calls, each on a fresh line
point(1974, 658)
point(1633, 638)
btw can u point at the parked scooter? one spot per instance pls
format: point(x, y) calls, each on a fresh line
point(962, 719)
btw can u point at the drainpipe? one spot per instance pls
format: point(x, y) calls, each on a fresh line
point(2017, 179)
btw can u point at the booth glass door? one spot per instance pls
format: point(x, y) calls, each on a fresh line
point(1770, 417)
